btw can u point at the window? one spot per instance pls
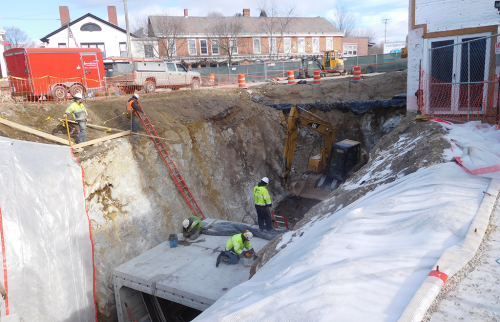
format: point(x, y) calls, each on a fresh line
point(329, 43)
point(90, 27)
point(171, 47)
point(350, 50)
point(123, 49)
point(272, 46)
point(302, 45)
point(192, 47)
point(315, 45)
point(203, 47)
point(61, 45)
point(215, 47)
point(171, 67)
point(95, 45)
point(287, 44)
point(180, 68)
point(149, 51)
point(256, 46)
point(233, 43)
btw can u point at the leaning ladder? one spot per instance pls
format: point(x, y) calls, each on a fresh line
point(278, 220)
point(174, 172)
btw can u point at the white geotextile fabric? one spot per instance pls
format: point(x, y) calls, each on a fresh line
point(48, 251)
point(363, 262)
point(476, 146)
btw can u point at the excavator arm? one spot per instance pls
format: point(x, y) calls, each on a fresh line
point(319, 162)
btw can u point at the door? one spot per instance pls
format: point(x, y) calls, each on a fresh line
point(182, 74)
point(17, 66)
point(328, 58)
point(91, 75)
point(173, 75)
point(459, 68)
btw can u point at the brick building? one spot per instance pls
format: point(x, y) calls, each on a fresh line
point(197, 41)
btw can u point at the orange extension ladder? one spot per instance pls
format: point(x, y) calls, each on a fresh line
point(176, 175)
point(281, 220)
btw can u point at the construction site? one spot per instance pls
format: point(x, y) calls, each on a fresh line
point(400, 236)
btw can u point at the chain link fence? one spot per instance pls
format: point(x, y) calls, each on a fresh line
point(459, 80)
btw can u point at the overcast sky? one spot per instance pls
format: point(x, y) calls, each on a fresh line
point(39, 18)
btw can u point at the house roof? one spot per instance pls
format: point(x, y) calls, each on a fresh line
point(251, 25)
point(45, 39)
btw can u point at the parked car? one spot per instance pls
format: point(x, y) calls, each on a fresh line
point(149, 75)
point(54, 72)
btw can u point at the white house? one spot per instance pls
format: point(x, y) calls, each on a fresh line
point(451, 57)
point(89, 31)
point(3, 68)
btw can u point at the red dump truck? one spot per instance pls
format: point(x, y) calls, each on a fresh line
point(45, 73)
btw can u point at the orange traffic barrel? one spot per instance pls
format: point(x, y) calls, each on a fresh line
point(317, 76)
point(356, 74)
point(291, 77)
point(241, 80)
point(211, 80)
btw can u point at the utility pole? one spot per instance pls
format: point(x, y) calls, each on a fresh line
point(129, 48)
point(384, 21)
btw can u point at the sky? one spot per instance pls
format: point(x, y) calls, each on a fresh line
point(39, 18)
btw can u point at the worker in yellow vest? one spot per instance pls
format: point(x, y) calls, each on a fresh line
point(234, 247)
point(133, 105)
point(262, 201)
point(191, 228)
point(79, 112)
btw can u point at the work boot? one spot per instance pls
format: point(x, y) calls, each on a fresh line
point(218, 260)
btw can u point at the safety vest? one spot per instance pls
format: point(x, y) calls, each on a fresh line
point(195, 221)
point(236, 243)
point(261, 196)
point(129, 105)
point(78, 111)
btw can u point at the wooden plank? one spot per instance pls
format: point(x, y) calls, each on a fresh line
point(109, 137)
point(94, 126)
point(35, 132)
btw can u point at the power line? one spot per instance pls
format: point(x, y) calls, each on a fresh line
point(27, 19)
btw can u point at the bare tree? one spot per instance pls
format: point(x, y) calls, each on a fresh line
point(225, 31)
point(162, 33)
point(18, 38)
point(345, 20)
point(275, 22)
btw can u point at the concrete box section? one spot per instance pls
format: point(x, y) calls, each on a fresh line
point(185, 274)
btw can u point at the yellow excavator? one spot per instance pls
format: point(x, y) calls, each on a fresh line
point(331, 165)
point(331, 62)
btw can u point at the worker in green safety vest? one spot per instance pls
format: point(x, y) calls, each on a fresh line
point(191, 227)
point(79, 112)
point(262, 201)
point(234, 247)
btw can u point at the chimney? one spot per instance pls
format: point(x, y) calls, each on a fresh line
point(64, 14)
point(185, 13)
point(112, 15)
point(246, 12)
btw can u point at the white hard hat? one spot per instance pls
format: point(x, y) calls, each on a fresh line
point(265, 179)
point(248, 235)
point(136, 96)
point(78, 96)
point(185, 223)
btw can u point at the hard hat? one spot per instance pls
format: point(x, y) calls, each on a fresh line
point(185, 223)
point(78, 96)
point(265, 179)
point(248, 235)
point(136, 96)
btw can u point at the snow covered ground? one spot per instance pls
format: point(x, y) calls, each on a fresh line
point(363, 262)
point(477, 296)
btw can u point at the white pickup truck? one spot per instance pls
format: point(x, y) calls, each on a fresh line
point(149, 75)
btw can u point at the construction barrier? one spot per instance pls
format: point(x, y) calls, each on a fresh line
point(356, 74)
point(241, 81)
point(291, 77)
point(317, 77)
point(211, 81)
